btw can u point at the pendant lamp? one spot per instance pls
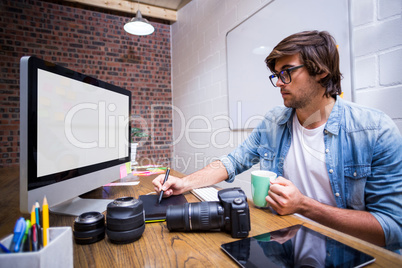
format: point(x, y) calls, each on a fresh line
point(138, 25)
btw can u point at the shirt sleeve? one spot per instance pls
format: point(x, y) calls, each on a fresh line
point(245, 155)
point(384, 187)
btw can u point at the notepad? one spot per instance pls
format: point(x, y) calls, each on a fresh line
point(157, 212)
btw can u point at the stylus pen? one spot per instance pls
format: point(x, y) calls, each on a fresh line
point(166, 178)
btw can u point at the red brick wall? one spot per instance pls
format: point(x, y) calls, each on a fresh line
point(90, 41)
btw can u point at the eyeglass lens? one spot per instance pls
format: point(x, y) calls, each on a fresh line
point(284, 75)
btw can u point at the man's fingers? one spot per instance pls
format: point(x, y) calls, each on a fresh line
point(172, 186)
point(272, 196)
point(167, 185)
point(278, 188)
point(168, 192)
point(281, 181)
point(157, 182)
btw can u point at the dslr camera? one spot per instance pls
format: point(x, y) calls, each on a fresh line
point(230, 214)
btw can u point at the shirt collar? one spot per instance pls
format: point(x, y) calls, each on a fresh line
point(287, 115)
point(333, 123)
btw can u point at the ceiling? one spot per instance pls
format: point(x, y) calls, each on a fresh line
point(161, 9)
point(169, 4)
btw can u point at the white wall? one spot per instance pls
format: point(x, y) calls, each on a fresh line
point(201, 125)
point(377, 48)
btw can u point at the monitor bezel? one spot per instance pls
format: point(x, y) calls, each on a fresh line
point(106, 171)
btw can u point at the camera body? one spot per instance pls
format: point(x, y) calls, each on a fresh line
point(236, 212)
point(230, 214)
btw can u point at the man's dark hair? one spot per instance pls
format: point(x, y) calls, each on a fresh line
point(318, 52)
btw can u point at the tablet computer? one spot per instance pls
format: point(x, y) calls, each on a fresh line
point(296, 246)
point(155, 211)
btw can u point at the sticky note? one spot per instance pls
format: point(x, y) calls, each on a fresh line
point(123, 171)
point(128, 167)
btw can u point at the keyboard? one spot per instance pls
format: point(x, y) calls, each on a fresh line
point(206, 193)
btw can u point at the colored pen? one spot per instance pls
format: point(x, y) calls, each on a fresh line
point(19, 231)
point(38, 227)
point(37, 213)
point(28, 242)
point(25, 238)
point(166, 178)
point(45, 220)
point(34, 237)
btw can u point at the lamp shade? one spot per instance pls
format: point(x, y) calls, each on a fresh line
point(139, 26)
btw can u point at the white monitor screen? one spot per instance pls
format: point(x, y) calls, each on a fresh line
point(74, 128)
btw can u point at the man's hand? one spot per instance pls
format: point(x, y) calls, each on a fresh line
point(173, 186)
point(284, 197)
point(211, 174)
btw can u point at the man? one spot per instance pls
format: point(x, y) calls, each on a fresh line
point(337, 163)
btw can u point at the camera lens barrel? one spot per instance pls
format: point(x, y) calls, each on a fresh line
point(89, 228)
point(231, 214)
point(125, 220)
point(200, 216)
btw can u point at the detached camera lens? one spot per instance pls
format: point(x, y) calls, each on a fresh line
point(89, 228)
point(125, 220)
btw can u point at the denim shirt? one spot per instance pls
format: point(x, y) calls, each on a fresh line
point(363, 159)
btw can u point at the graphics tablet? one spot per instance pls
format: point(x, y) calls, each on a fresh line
point(155, 211)
point(296, 246)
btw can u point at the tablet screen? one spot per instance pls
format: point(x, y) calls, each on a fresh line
point(296, 246)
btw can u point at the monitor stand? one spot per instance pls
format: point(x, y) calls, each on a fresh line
point(77, 206)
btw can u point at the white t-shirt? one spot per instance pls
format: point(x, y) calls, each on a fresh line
point(305, 163)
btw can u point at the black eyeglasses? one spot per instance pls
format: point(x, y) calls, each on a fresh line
point(284, 75)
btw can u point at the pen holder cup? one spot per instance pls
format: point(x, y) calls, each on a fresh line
point(57, 253)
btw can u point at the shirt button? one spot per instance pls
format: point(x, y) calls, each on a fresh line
point(326, 131)
point(337, 194)
point(355, 174)
point(331, 171)
point(265, 154)
point(327, 150)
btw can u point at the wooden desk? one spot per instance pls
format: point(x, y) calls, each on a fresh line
point(158, 247)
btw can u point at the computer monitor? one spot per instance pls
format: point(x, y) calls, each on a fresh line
point(74, 136)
